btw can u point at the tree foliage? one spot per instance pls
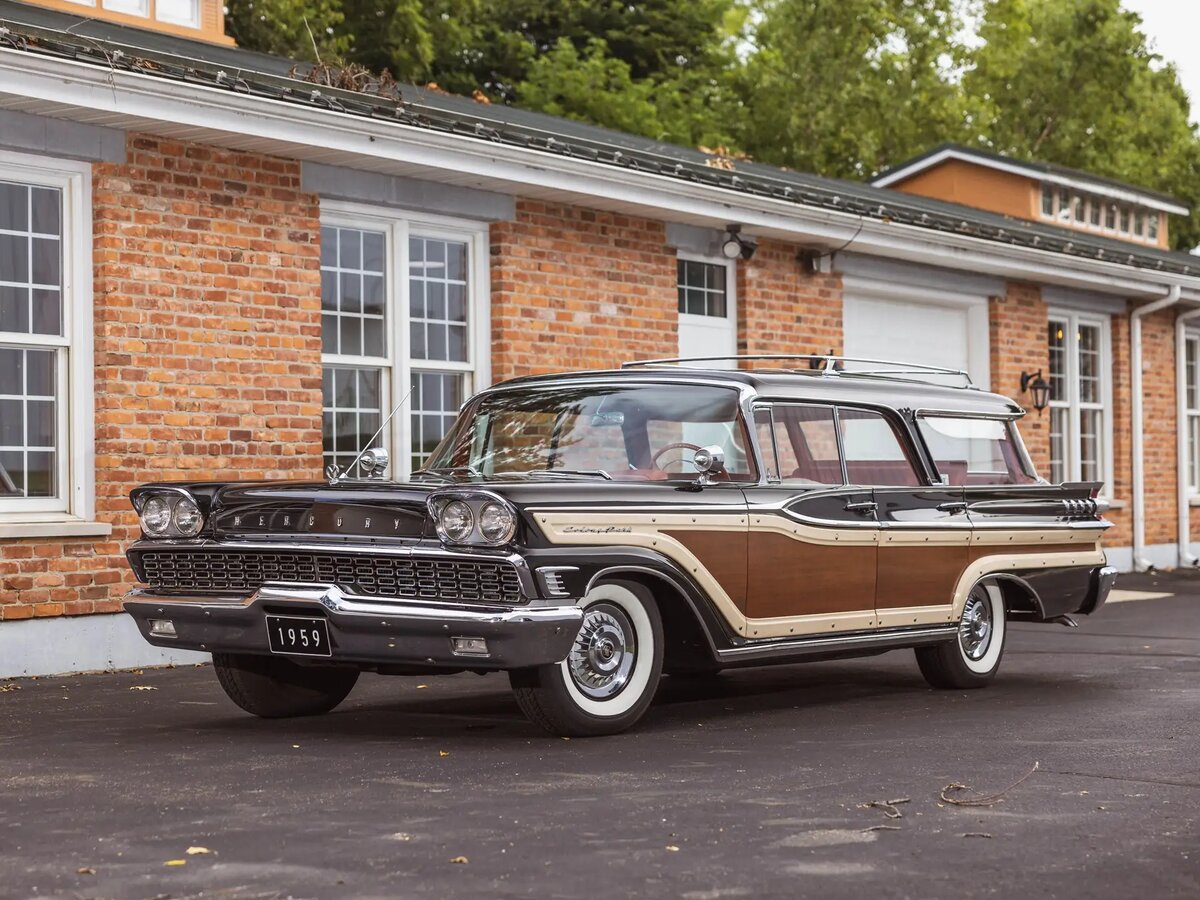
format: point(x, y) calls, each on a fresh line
point(842, 88)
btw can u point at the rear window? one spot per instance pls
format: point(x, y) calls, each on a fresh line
point(975, 451)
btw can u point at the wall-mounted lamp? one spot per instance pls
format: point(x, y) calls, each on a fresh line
point(1038, 389)
point(733, 245)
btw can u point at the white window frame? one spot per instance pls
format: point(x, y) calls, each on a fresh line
point(1071, 320)
point(397, 362)
point(75, 407)
point(1192, 412)
point(731, 298)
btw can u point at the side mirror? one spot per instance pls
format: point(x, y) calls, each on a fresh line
point(709, 461)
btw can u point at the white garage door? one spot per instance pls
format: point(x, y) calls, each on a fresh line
point(949, 334)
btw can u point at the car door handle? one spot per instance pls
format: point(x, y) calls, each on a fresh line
point(862, 506)
point(954, 506)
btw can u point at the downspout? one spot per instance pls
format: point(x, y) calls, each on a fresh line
point(1140, 563)
point(1184, 535)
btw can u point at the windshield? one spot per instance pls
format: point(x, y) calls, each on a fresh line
point(629, 432)
point(976, 451)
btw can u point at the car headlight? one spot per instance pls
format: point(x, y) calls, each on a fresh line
point(172, 514)
point(473, 518)
point(186, 518)
point(456, 522)
point(497, 523)
point(156, 516)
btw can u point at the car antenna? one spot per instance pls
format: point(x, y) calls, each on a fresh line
point(334, 475)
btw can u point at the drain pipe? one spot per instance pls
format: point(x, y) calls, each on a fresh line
point(1183, 536)
point(1140, 563)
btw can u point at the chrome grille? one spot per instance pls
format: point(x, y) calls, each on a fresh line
point(414, 578)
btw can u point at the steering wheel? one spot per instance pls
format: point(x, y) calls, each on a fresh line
point(667, 448)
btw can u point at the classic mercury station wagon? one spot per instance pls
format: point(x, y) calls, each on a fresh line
point(588, 532)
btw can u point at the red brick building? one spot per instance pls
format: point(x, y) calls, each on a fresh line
point(211, 269)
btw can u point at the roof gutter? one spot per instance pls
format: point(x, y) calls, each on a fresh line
point(187, 111)
point(1140, 563)
point(1183, 509)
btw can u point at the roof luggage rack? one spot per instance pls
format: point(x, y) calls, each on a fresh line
point(826, 364)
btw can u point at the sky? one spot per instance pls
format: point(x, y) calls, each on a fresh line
point(1173, 27)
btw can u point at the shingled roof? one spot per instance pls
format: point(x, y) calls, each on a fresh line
point(41, 32)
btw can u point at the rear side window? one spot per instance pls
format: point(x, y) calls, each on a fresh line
point(875, 452)
point(975, 451)
point(800, 444)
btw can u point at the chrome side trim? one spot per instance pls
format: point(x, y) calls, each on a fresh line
point(830, 643)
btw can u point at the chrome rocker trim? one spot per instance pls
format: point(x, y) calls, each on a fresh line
point(362, 630)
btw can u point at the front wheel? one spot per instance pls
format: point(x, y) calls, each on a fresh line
point(609, 678)
point(276, 688)
point(972, 659)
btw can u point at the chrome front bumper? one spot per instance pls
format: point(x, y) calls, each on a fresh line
point(362, 630)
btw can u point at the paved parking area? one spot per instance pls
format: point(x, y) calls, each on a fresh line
point(752, 787)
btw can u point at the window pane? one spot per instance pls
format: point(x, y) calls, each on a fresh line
point(807, 441)
point(1194, 453)
point(974, 451)
point(1089, 363)
point(437, 283)
point(1110, 217)
point(874, 452)
point(1064, 206)
point(129, 7)
point(178, 12)
point(1058, 360)
point(28, 423)
point(1090, 454)
point(1094, 212)
point(701, 288)
point(1125, 220)
point(1190, 363)
point(1152, 226)
point(352, 281)
point(1077, 208)
point(352, 411)
point(1047, 201)
point(30, 259)
point(1058, 444)
point(436, 399)
point(764, 431)
point(1138, 223)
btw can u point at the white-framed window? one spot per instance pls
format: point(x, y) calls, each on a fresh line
point(1191, 370)
point(706, 288)
point(1086, 211)
point(178, 12)
point(46, 374)
point(405, 312)
point(1080, 398)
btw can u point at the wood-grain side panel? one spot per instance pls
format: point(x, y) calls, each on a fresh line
point(723, 554)
point(919, 575)
point(789, 577)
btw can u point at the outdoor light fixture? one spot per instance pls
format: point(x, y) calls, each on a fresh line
point(734, 245)
point(1038, 389)
point(810, 261)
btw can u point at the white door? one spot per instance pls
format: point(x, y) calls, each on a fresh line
point(707, 309)
point(952, 333)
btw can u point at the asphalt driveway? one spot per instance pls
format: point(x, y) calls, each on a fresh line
point(750, 787)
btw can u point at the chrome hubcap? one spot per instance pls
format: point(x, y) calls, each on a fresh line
point(604, 653)
point(975, 629)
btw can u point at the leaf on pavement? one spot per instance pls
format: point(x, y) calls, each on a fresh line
point(175, 862)
point(443, 753)
point(85, 870)
point(143, 687)
point(197, 851)
point(460, 860)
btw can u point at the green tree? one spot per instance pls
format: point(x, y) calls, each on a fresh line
point(848, 87)
point(291, 28)
point(1074, 83)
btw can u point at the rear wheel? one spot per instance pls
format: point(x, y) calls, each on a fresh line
point(973, 657)
point(276, 688)
point(607, 681)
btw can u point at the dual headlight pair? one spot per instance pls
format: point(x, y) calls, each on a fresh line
point(471, 518)
point(170, 515)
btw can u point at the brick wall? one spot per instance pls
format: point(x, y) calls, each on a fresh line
point(782, 309)
point(207, 309)
point(1159, 412)
point(1017, 340)
point(577, 288)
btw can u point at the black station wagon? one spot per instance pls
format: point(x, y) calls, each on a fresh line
point(588, 533)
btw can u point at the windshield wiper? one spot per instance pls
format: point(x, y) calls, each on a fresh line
point(587, 473)
point(447, 472)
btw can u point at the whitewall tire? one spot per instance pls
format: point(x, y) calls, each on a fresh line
point(608, 679)
point(972, 659)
